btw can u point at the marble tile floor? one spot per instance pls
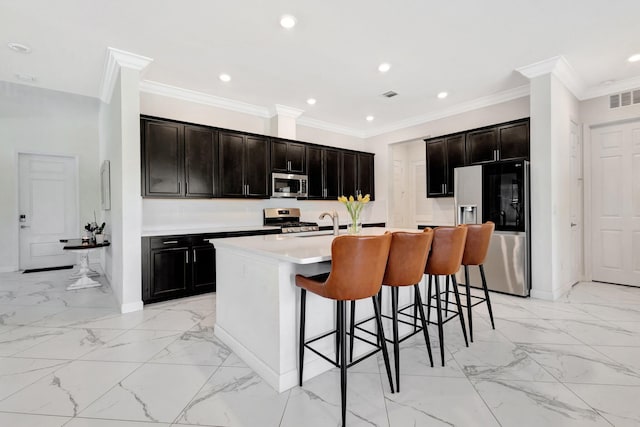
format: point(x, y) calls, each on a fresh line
point(70, 359)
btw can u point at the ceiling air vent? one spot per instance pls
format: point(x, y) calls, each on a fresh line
point(390, 94)
point(624, 99)
point(614, 101)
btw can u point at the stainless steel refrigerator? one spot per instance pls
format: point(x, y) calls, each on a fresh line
point(498, 192)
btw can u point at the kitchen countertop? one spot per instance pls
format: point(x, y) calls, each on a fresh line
point(294, 248)
point(205, 230)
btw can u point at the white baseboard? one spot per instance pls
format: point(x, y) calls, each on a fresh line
point(550, 295)
point(131, 307)
point(9, 269)
point(280, 382)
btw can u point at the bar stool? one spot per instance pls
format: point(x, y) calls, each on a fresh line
point(445, 260)
point(475, 252)
point(357, 269)
point(405, 267)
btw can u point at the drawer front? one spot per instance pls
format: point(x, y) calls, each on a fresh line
point(167, 242)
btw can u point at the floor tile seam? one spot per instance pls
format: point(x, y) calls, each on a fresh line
point(30, 347)
point(586, 403)
point(35, 381)
point(476, 390)
point(181, 410)
point(599, 321)
point(608, 358)
point(178, 336)
point(603, 384)
point(286, 405)
point(88, 405)
point(79, 357)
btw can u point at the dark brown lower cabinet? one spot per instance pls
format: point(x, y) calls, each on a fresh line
point(177, 266)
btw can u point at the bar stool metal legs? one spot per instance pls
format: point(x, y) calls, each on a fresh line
point(341, 345)
point(440, 321)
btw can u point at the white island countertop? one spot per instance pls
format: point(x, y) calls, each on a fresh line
point(294, 248)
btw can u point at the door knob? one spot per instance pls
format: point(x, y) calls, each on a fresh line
point(573, 224)
point(25, 226)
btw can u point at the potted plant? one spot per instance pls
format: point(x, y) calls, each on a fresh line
point(95, 231)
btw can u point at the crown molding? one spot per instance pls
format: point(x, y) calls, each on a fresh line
point(485, 101)
point(162, 89)
point(559, 67)
point(117, 59)
point(330, 127)
point(285, 111)
point(615, 87)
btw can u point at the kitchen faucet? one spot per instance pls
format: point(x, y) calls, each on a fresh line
point(334, 217)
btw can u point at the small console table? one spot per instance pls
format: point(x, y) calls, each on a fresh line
point(83, 276)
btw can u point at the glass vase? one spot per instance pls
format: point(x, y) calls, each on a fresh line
point(355, 226)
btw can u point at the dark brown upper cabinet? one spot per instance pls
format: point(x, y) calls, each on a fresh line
point(244, 165)
point(507, 141)
point(443, 155)
point(287, 156)
point(366, 184)
point(349, 173)
point(177, 160)
point(323, 168)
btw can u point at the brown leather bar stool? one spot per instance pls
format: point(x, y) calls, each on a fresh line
point(475, 252)
point(445, 260)
point(405, 267)
point(357, 269)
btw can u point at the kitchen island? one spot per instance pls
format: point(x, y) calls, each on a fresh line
point(258, 304)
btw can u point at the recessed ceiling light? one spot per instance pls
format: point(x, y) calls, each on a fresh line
point(384, 67)
point(311, 101)
point(288, 21)
point(634, 58)
point(25, 78)
point(225, 77)
point(369, 118)
point(443, 95)
point(19, 47)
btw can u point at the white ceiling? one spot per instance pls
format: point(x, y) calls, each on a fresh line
point(468, 48)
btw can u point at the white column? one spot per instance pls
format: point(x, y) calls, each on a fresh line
point(553, 108)
point(283, 123)
point(120, 144)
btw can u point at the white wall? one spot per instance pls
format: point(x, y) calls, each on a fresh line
point(34, 120)
point(167, 214)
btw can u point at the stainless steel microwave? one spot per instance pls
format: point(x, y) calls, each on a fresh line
point(288, 185)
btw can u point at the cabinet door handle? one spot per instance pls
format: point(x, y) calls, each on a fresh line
point(442, 188)
point(289, 165)
point(179, 188)
point(194, 257)
point(497, 154)
point(170, 242)
point(247, 193)
point(186, 187)
point(187, 251)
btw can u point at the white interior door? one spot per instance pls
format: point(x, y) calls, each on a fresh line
point(576, 205)
point(48, 209)
point(615, 208)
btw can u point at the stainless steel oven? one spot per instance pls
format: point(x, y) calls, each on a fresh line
point(288, 185)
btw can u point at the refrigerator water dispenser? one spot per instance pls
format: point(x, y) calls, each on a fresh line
point(468, 214)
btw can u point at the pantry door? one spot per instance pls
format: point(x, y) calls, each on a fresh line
point(615, 203)
point(48, 203)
